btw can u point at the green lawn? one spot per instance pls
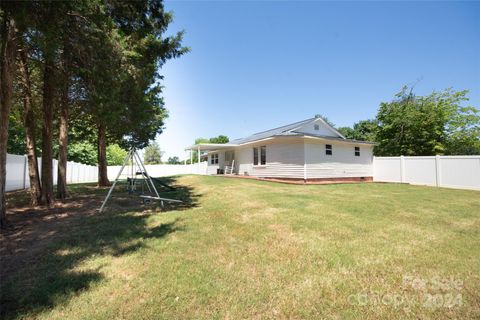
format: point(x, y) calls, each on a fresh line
point(250, 249)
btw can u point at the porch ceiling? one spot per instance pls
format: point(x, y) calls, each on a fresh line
point(212, 146)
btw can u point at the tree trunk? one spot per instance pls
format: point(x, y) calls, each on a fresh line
point(7, 70)
point(35, 189)
point(63, 135)
point(47, 133)
point(102, 156)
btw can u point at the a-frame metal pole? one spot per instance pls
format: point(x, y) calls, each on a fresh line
point(148, 176)
point(130, 153)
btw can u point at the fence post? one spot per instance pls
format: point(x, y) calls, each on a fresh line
point(438, 174)
point(373, 167)
point(402, 169)
point(25, 173)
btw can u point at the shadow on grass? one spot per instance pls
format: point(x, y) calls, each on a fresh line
point(43, 248)
point(167, 187)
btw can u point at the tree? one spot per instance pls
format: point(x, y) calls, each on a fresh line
point(363, 130)
point(97, 60)
point(82, 152)
point(174, 160)
point(8, 52)
point(152, 154)
point(427, 125)
point(33, 173)
point(219, 139)
point(347, 132)
point(115, 155)
point(139, 113)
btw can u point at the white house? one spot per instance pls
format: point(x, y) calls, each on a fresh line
point(308, 150)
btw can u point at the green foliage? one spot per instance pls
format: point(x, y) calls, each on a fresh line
point(152, 154)
point(16, 135)
point(174, 160)
point(220, 139)
point(434, 124)
point(363, 130)
point(347, 132)
point(82, 152)
point(115, 155)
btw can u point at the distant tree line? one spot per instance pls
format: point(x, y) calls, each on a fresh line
point(77, 74)
point(413, 125)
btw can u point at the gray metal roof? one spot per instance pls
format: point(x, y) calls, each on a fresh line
point(271, 132)
point(283, 131)
point(301, 134)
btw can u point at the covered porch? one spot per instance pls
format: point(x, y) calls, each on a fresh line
point(220, 157)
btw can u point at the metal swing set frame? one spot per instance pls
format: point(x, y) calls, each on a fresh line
point(135, 160)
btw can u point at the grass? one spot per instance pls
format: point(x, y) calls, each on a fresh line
point(251, 249)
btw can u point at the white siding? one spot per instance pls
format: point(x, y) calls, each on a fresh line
point(285, 159)
point(342, 162)
point(301, 158)
point(212, 168)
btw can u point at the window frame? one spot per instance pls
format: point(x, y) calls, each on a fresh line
point(260, 156)
point(316, 127)
point(328, 150)
point(214, 158)
point(263, 155)
point(357, 151)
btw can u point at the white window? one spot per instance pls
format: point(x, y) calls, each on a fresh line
point(316, 127)
point(214, 158)
point(260, 156)
point(357, 151)
point(328, 149)
point(263, 155)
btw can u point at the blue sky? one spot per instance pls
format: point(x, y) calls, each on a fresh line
point(255, 65)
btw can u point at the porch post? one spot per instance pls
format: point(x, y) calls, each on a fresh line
point(198, 149)
point(191, 157)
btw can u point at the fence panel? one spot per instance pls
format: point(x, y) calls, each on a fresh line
point(462, 172)
point(17, 172)
point(16, 167)
point(387, 169)
point(420, 170)
point(162, 170)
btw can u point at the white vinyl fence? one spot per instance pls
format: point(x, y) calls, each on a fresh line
point(462, 172)
point(17, 172)
point(163, 170)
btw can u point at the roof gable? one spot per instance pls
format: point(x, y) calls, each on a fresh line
point(301, 127)
point(271, 132)
point(318, 127)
